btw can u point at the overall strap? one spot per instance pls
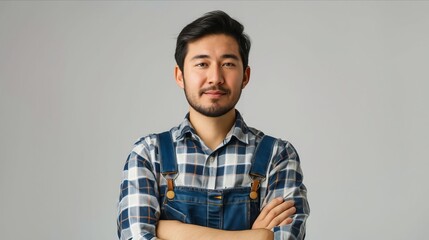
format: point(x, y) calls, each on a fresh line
point(262, 157)
point(167, 161)
point(167, 154)
point(260, 161)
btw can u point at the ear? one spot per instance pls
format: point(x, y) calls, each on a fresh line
point(246, 77)
point(178, 75)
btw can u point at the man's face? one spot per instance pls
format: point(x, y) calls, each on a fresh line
point(213, 75)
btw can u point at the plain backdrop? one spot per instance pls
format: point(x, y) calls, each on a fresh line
point(345, 81)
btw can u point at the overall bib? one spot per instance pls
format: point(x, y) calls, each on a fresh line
point(227, 209)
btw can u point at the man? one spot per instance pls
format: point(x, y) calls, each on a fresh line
point(212, 177)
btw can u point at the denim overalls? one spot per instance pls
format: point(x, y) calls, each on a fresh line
point(227, 209)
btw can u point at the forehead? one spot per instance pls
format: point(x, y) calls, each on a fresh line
point(215, 45)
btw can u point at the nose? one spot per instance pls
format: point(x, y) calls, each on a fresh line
point(215, 76)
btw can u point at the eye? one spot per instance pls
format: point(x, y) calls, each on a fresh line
point(201, 65)
point(229, 64)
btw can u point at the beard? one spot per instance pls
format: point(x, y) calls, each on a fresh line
point(215, 109)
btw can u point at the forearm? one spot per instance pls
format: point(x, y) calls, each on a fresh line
point(138, 202)
point(176, 230)
point(286, 180)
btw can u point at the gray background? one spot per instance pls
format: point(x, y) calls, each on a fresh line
point(344, 81)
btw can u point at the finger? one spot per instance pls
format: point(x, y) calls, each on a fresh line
point(277, 221)
point(286, 222)
point(279, 209)
point(289, 203)
point(274, 213)
point(271, 205)
point(261, 221)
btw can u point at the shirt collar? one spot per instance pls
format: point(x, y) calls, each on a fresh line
point(239, 130)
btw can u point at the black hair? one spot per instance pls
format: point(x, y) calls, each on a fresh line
point(215, 22)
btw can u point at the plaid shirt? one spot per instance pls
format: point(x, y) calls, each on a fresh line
point(227, 166)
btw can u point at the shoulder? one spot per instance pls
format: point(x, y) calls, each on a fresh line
point(145, 144)
point(255, 134)
point(278, 142)
point(146, 149)
point(282, 149)
point(144, 153)
point(285, 151)
point(149, 144)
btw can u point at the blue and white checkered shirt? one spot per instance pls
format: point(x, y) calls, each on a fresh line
point(227, 166)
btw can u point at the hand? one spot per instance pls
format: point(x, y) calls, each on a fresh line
point(275, 213)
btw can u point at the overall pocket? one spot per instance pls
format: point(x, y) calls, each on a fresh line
point(170, 213)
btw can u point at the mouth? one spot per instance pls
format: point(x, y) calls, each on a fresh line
point(214, 93)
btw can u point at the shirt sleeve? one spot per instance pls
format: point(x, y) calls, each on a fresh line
point(286, 179)
point(138, 208)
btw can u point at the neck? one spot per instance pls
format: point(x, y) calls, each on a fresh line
point(212, 130)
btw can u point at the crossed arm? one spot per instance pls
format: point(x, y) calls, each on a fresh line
point(139, 207)
point(276, 213)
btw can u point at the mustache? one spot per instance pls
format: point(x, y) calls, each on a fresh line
point(215, 88)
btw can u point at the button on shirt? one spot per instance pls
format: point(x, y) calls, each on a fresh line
point(225, 167)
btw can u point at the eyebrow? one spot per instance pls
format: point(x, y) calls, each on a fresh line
point(225, 56)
